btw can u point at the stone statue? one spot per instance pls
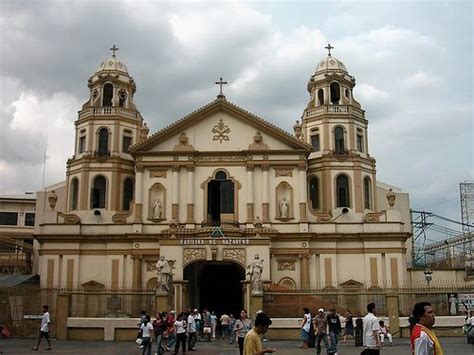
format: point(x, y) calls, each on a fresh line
point(284, 207)
point(163, 275)
point(157, 209)
point(255, 270)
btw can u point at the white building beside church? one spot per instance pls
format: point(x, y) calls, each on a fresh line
point(309, 203)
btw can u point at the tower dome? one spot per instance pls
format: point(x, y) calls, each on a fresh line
point(112, 64)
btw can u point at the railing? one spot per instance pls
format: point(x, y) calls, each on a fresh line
point(108, 111)
point(335, 110)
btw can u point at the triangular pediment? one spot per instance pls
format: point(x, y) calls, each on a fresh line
point(221, 126)
point(92, 284)
point(351, 284)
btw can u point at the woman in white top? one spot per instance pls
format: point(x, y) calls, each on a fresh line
point(305, 326)
point(241, 328)
point(180, 325)
point(147, 336)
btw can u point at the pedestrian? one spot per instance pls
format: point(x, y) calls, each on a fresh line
point(320, 330)
point(242, 327)
point(469, 327)
point(147, 332)
point(171, 330)
point(198, 320)
point(213, 325)
point(253, 342)
point(349, 327)
point(371, 332)
point(305, 326)
point(230, 328)
point(224, 323)
point(207, 330)
point(334, 325)
point(423, 339)
point(385, 333)
point(159, 327)
point(139, 324)
point(180, 324)
point(192, 337)
point(359, 333)
point(44, 328)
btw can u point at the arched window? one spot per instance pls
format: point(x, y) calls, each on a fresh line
point(103, 147)
point(320, 97)
point(220, 197)
point(127, 194)
point(314, 192)
point(335, 93)
point(347, 93)
point(339, 140)
point(122, 94)
point(74, 193)
point(221, 175)
point(108, 95)
point(342, 191)
point(367, 193)
point(99, 190)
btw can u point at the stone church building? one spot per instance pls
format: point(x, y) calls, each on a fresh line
point(215, 189)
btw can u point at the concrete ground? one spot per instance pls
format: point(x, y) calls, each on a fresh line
point(451, 346)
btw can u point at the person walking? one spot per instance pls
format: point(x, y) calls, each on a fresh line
point(242, 327)
point(305, 327)
point(180, 324)
point(423, 339)
point(44, 328)
point(359, 333)
point(230, 328)
point(213, 325)
point(320, 330)
point(334, 325)
point(170, 330)
point(224, 325)
point(192, 337)
point(469, 327)
point(159, 327)
point(371, 332)
point(349, 327)
point(147, 331)
point(253, 342)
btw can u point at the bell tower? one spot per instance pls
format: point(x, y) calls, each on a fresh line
point(341, 173)
point(100, 175)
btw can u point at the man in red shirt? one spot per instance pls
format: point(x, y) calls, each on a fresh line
point(423, 339)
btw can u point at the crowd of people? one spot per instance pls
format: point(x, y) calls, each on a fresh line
point(174, 332)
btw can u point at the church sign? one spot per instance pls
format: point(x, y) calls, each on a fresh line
point(204, 241)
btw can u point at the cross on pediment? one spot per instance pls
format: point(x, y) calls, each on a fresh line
point(114, 49)
point(220, 83)
point(329, 47)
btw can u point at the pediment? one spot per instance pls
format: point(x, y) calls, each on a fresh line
point(92, 284)
point(351, 284)
point(221, 126)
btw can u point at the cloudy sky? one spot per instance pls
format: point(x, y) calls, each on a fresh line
point(412, 62)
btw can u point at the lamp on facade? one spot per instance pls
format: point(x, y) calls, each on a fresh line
point(428, 276)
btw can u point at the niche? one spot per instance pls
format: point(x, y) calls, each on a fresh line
point(284, 201)
point(157, 203)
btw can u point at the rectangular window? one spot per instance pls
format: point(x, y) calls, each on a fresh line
point(360, 143)
point(30, 219)
point(126, 143)
point(82, 144)
point(9, 218)
point(315, 142)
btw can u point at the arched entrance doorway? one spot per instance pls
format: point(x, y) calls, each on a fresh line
point(215, 285)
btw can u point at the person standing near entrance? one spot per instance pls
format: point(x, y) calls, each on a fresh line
point(180, 325)
point(320, 330)
point(192, 337)
point(305, 326)
point(423, 339)
point(44, 328)
point(253, 339)
point(371, 332)
point(242, 327)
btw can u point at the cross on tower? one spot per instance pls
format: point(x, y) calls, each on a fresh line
point(328, 47)
point(220, 83)
point(114, 49)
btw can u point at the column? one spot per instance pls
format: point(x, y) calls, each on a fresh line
point(137, 272)
point(175, 193)
point(265, 198)
point(304, 271)
point(302, 191)
point(138, 193)
point(250, 200)
point(190, 194)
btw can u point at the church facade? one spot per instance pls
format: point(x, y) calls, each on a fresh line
point(218, 189)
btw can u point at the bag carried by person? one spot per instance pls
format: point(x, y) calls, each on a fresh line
point(139, 341)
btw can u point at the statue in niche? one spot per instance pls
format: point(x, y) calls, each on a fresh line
point(284, 208)
point(163, 275)
point(254, 270)
point(157, 209)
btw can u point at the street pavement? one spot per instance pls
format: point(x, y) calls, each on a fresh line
point(451, 346)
